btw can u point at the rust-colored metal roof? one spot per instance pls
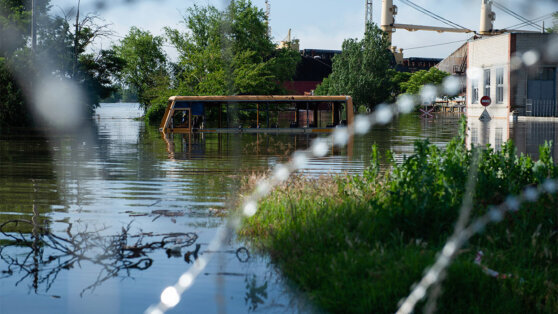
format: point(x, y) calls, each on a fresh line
point(259, 98)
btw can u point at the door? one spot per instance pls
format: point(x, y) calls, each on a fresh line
point(541, 91)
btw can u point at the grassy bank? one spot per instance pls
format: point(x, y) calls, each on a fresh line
point(358, 243)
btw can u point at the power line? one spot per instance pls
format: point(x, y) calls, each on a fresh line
point(512, 13)
point(536, 20)
point(432, 14)
point(434, 45)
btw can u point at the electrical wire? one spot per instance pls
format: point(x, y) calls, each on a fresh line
point(434, 45)
point(514, 14)
point(536, 20)
point(432, 14)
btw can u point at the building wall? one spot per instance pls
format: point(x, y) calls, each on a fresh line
point(454, 61)
point(490, 53)
point(523, 43)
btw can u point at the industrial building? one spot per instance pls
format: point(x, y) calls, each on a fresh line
point(519, 78)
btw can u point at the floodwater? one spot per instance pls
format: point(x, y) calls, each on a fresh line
point(102, 220)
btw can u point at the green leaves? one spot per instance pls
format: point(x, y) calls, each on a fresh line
point(230, 52)
point(361, 70)
point(421, 78)
point(145, 62)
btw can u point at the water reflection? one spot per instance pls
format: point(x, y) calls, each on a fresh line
point(120, 201)
point(528, 136)
point(41, 255)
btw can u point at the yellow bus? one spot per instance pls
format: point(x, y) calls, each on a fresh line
point(256, 114)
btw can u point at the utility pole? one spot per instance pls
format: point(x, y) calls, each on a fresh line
point(76, 41)
point(33, 26)
point(368, 19)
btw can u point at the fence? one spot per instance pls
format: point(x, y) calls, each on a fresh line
point(541, 108)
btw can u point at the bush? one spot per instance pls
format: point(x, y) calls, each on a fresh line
point(155, 113)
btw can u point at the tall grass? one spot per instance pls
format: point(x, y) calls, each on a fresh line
point(358, 243)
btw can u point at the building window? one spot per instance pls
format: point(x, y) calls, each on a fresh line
point(499, 86)
point(474, 91)
point(487, 83)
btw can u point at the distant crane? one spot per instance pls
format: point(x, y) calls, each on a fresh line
point(368, 19)
point(486, 28)
point(268, 15)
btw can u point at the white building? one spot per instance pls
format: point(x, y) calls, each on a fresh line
point(494, 69)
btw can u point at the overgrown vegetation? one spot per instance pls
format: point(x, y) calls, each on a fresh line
point(61, 54)
point(358, 243)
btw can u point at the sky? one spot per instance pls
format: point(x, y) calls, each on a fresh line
point(318, 24)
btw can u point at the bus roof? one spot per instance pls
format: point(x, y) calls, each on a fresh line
point(260, 98)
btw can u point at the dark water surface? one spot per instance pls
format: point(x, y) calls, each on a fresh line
point(101, 221)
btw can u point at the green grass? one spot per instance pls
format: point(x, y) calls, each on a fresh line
point(358, 243)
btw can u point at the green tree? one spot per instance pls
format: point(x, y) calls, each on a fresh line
point(554, 28)
point(421, 78)
point(145, 62)
point(61, 52)
point(15, 23)
point(225, 52)
point(397, 78)
point(361, 70)
point(229, 52)
point(12, 107)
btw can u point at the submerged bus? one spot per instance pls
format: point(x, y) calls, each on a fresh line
point(256, 114)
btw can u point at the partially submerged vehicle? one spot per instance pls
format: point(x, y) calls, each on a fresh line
point(256, 114)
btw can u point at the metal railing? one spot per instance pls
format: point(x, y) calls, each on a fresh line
point(541, 108)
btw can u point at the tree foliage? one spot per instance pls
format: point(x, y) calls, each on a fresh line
point(145, 62)
point(229, 52)
point(60, 54)
point(421, 78)
point(15, 23)
point(361, 70)
point(226, 52)
point(554, 28)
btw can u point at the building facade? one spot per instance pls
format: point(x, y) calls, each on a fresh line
point(494, 69)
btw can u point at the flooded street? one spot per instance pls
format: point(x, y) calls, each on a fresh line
point(104, 220)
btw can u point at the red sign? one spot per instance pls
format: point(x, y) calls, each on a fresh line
point(485, 101)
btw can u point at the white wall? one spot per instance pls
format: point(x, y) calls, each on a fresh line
point(489, 53)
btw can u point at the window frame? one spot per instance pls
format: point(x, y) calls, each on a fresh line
point(500, 85)
point(487, 82)
point(474, 91)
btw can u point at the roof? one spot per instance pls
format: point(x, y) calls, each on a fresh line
point(260, 98)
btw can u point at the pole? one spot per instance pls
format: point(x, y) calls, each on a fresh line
point(33, 26)
point(368, 19)
point(76, 41)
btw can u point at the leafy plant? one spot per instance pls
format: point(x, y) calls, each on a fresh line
point(357, 243)
point(361, 70)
